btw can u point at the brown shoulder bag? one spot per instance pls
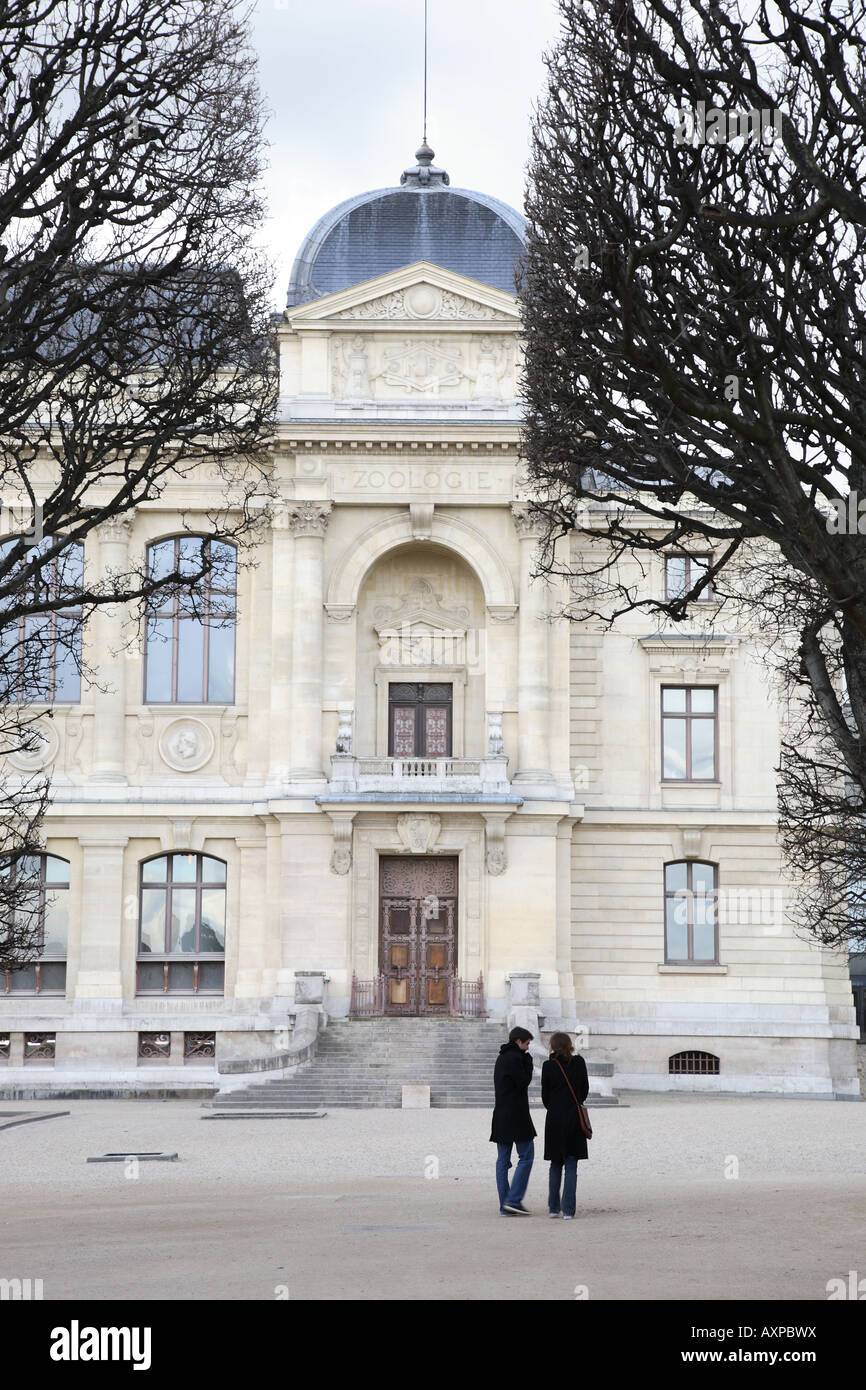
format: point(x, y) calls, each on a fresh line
point(582, 1112)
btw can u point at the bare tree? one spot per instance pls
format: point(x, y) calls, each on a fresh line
point(695, 315)
point(134, 332)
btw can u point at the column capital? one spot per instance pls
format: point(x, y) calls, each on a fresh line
point(307, 518)
point(115, 530)
point(529, 524)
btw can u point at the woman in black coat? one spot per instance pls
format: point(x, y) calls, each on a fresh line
point(564, 1140)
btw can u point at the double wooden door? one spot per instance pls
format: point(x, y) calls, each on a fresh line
point(418, 932)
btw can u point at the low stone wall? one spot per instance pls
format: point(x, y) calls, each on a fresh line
point(305, 1041)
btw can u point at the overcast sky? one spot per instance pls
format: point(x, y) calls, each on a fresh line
point(344, 82)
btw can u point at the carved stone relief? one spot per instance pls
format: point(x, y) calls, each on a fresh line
point(422, 366)
point(186, 745)
point(420, 631)
point(424, 301)
point(492, 375)
point(45, 744)
point(419, 833)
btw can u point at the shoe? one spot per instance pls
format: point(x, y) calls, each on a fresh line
point(554, 1214)
point(503, 1212)
point(568, 1218)
point(517, 1207)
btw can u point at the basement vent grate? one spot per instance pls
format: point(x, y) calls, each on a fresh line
point(693, 1064)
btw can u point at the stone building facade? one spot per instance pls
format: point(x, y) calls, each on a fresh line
point(395, 765)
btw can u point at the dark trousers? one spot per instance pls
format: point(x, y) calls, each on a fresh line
point(569, 1189)
point(517, 1190)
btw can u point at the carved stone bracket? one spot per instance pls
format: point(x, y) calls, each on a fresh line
point(421, 514)
point(340, 612)
point(341, 855)
point(692, 843)
point(496, 860)
point(179, 835)
point(502, 612)
point(419, 833)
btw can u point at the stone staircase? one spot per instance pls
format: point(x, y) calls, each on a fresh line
point(364, 1064)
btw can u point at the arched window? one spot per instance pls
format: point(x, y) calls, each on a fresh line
point(691, 916)
point(182, 933)
point(46, 896)
point(41, 653)
point(190, 655)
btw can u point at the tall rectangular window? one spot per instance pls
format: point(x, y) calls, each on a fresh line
point(689, 733)
point(419, 720)
point(691, 916)
point(190, 656)
point(682, 572)
point(41, 652)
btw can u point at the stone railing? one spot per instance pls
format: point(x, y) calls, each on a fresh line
point(358, 775)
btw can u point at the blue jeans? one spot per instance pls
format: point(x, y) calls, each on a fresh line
point(525, 1155)
point(569, 1190)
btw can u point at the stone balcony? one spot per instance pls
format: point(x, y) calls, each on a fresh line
point(355, 776)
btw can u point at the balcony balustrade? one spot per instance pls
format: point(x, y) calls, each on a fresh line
point(352, 775)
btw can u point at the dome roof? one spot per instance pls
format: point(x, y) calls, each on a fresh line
point(422, 220)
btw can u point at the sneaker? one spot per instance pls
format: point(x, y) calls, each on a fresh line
point(568, 1218)
point(503, 1212)
point(517, 1207)
point(554, 1214)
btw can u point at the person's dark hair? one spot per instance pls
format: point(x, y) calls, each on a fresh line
point(520, 1035)
point(562, 1047)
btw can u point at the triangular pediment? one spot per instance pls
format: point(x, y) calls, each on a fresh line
point(421, 608)
point(416, 294)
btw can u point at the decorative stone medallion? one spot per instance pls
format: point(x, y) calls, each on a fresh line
point(44, 751)
point(422, 301)
point(186, 745)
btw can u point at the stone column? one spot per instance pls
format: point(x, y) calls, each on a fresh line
point(280, 729)
point(308, 522)
point(109, 659)
point(102, 918)
point(533, 755)
point(252, 937)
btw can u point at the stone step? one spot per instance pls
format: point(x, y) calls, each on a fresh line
point(366, 1064)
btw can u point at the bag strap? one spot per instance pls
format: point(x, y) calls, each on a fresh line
point(567, 1082)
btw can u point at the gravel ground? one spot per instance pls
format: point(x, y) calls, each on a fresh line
point(683, 1197)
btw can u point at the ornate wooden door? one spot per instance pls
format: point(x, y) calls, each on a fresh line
point(418, 916)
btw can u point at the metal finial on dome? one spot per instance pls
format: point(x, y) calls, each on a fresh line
point(424, 174)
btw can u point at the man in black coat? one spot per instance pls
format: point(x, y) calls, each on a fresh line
point(511, 1123)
